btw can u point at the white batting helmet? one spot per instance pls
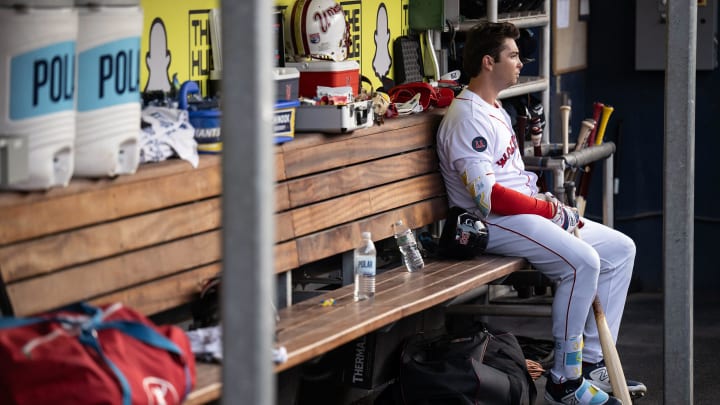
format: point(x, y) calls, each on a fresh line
point(318, 29)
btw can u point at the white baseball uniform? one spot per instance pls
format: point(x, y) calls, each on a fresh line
point(477, 148)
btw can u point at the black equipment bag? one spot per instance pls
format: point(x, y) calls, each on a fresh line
point(476, 368)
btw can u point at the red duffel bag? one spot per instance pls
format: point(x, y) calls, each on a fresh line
point(93, 355)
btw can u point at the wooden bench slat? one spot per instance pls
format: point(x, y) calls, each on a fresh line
point(43, 255)
point(343, 238)
point(309, 140)
point(359, 148)
point(161, 295)
point(145, 172)
point(284, 226)
point(392, 287)
point(286, 256)
point(23, 220)
point(353, 178)
point(282, 197)
point(104, 276)
point(354, 206)
point(279, 167)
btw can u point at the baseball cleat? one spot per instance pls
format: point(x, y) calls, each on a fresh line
point(597, 374)
point(577, 392)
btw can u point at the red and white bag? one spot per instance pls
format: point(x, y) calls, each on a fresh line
point(89, 355)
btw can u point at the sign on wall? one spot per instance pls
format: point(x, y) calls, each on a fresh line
point(374, 25)
point(176, 43)
point(176, 39)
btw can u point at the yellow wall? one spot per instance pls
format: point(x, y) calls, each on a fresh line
point(188, 54)
point(187, 50)
point(363, 19)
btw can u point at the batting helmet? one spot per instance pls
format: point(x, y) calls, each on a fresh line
point(319, 30)
point(464, 235)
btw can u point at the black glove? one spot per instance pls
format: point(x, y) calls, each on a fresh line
point(536, 124)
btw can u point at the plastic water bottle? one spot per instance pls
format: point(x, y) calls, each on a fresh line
point(408, 247)
point(364, 262)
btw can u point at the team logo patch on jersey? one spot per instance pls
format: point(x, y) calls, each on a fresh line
point(479, 144)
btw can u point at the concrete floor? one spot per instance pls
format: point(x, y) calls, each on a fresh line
point(640, 344)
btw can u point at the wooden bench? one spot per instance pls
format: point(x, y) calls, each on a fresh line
point(151, 239)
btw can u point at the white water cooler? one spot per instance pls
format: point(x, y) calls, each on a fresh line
point(108, 88)
point(37, 100)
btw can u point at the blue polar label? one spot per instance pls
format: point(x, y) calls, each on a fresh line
point(109, 75)
point(42, 81)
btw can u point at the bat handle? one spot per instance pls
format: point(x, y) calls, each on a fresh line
point(565, 121)
point(607, 110)
point(597, 111)
point(587, 126)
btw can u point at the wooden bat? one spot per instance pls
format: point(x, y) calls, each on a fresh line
point(584, 186)
point(587, 126)
point(565, 122)
point(536, 138)
point(610, 354)
point(597, 110)
point(606, 111)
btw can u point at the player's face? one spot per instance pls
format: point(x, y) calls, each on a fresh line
point(509, 65)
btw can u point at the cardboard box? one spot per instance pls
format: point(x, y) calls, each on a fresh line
point(327, 73)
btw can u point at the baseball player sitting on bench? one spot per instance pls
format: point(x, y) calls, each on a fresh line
point(484, 173)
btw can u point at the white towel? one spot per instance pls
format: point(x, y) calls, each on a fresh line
point(167, 133)
point(207, 343)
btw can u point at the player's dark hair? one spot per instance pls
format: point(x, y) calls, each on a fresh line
point(486, 38)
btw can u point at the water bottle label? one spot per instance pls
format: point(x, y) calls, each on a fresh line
point(406, 239)
point(109, 75)
point(42, 81)
point(366, 267)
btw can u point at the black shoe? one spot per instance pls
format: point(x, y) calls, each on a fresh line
point(597, 374)
point(576, 392)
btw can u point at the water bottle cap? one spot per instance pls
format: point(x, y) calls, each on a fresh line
point(366, 235)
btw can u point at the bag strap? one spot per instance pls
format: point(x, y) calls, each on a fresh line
point(150, 336)
point(86, 328)
point(508, 356)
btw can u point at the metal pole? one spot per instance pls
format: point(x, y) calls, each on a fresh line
point(492, 11)
point(248, 232)
point(608, 195)
point(545, 70)
point(679, 199)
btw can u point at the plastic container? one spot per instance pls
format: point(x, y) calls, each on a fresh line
point(109, 104)
point(405, 239)
point(326, 73)
point(339, 118)
point(205, 118)
point(364, 259)
point(37, 69)
point(286, 83)
point(284, 120)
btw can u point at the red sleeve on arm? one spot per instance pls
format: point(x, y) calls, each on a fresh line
point(506, 201)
